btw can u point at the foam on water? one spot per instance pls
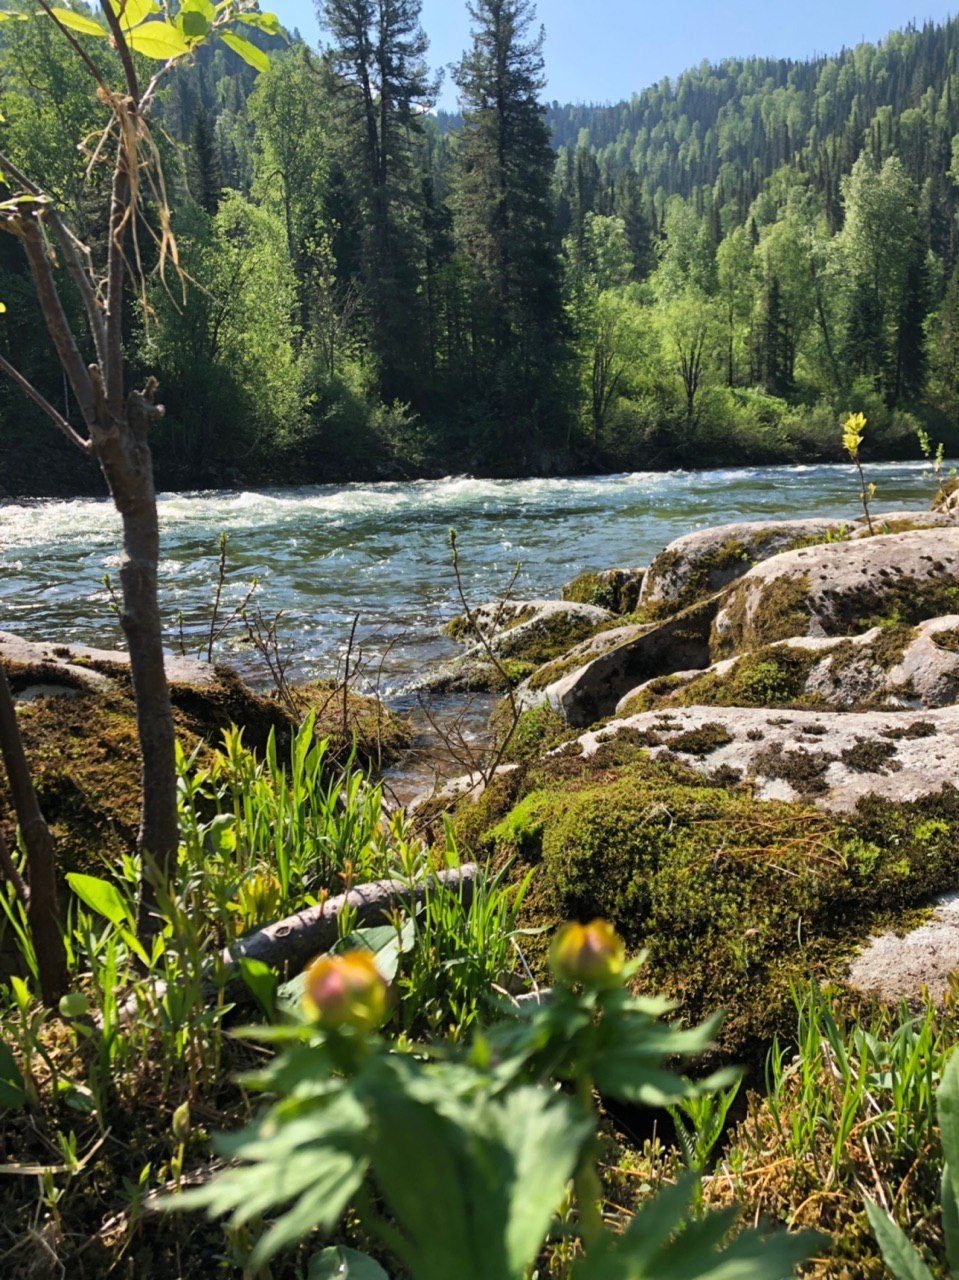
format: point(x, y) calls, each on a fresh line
point(326, 553)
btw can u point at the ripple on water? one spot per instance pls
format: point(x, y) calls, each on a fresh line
point(324, 554)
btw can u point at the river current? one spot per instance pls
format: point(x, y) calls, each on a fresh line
point(327, 556)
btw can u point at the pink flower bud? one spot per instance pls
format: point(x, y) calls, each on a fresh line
point(347, 991)
point(593, 954)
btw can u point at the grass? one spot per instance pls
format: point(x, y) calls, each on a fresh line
point(88, 1094)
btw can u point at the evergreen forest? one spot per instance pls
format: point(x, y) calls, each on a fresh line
point(712, 273)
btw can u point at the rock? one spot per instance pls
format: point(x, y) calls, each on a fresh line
point(699, 564)
point(947, 499)
point(78, 720)
point(831, 758)
point(615, 589)
point(77, 666)
point(530, 692)
point(905, 966)
point(839, 589)
point(904, 522)
point(591, 691)
point(891, 668)
point(523, 634)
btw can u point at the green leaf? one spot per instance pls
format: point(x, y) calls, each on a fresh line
point(665, 1241)
point(101, 896)
point(899, 1253)
point(193, 25)
point(77, 22)
point(268, 23)
point(947, 1112)
point(7, 16)
point(158, 40)
point(262, 983)
point(12, 1091)
point(248, 52)
point(340, 1263)
point(132, 12)
point(497, 1166)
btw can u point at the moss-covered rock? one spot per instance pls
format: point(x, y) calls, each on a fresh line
point(615, 589)
point(732, 896)
point(841, 589)
point(893, 668)
point(78, 721)
point(520, 634)
point(700, 564)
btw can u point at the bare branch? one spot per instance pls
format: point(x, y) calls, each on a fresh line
point(123, 49)
point(82, 277)
point(116, 266)
point(54, 415)
point(56, 320)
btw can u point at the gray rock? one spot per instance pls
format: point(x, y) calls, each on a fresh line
point(904, 966)
point(591, 691)
point(840, 589)
point(77, 666)
point(899, 669)
point(528, 632)
point(903, 522)
point(699, 564)
point(831, 758)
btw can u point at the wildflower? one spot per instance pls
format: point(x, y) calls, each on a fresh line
point(593, 954)
point(347, 991)
point(852, 433)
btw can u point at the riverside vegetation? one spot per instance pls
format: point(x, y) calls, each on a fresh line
point(463, 1083)
point(465, 1074)
point(711, 272)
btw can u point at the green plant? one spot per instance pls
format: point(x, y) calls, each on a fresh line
point(901, 1256)
point(457, 1162)
point(852, 433)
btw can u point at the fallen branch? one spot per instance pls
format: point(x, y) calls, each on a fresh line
point(290, 944)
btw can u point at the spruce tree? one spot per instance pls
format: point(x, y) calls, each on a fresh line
point(204, 171)
point(503, 218)
point(379, 53)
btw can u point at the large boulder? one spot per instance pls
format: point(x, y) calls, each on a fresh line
point(885, 668)
point(591, 689)
point(833, 759)
point(615, 589)
point(699, 564)
point(840, 589)
point(914, 965)
point(521, 634)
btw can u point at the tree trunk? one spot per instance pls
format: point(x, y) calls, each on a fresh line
point(124, 455)
point(43, 915)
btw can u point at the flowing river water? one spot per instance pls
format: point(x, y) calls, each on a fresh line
point(375, 559)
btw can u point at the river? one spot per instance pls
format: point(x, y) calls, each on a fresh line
point(328, 555)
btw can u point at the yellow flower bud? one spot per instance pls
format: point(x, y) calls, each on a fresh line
point(181, 1122)
point(593, 954)
point(347, 991)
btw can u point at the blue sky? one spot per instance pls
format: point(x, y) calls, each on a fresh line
point(604, 50)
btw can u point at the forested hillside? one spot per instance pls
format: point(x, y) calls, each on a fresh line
point(715, 271)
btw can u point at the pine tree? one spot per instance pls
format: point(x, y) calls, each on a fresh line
point(379, 51)
point(503, 218)
point(204, 171)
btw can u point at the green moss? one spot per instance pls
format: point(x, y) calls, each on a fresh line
point(947, 488)
point(805, 771)
point(702, 741)
point(948, 640)
point(897, 603)
point(868, 755)
point(734, 898)
point(780, 613)
point(536, 731)
point(589, 588)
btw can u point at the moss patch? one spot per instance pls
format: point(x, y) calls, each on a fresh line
point(869, 755)
point(733, 897)
point(780, 613)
